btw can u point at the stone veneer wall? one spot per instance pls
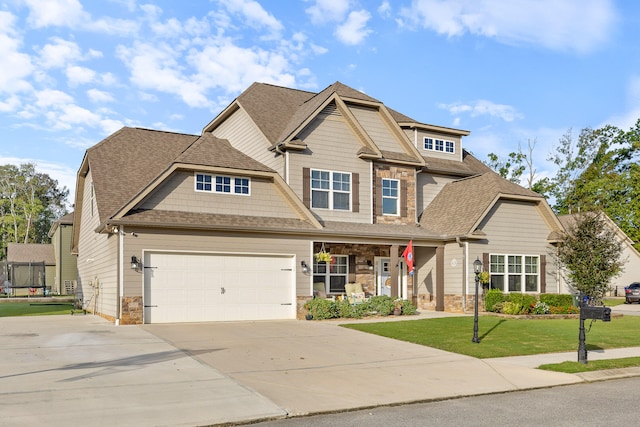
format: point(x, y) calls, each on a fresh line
point(404, 175)
point(131, 311)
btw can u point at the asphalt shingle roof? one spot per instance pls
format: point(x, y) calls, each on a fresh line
point(31, 252)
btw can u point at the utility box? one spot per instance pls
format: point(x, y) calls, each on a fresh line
point(596, 312)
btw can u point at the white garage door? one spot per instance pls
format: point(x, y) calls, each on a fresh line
point(205, 287)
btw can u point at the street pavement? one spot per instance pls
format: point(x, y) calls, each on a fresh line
point(67, 370)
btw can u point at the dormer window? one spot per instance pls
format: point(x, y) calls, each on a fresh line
point(222, 184)
point(442, 145)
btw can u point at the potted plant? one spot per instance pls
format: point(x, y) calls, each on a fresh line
point(323, 256)
point(397, 308)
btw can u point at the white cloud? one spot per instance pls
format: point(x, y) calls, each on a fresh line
point(484, 108)
point(324, 11)
point(384, 9)
point(255, 15)
point(99, 96)
point(58, 53)
point(354, 30)
point(49, 13)
point(80, 75)
point(578, 25)
point(11, 104)
point(16, 66)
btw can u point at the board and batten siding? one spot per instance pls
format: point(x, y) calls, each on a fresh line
point(332, 146)
point(178, 194)
point(158, 240)
point(377, 129)
point(97, 260)
point(244, 135)
point(428, 187)
point(516, 228)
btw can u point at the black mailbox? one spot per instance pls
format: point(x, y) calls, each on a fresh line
point(596, 312)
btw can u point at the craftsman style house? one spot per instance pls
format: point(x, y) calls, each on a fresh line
point(226, 225)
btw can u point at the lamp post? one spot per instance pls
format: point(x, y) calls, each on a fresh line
point(477, 268)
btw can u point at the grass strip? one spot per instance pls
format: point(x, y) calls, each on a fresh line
point(501, 337)
point(593, 365)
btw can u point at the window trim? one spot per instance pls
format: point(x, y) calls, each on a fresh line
point(523, 273)
point(439, 145)
point(396, 197)
point(213, 184)
point(331, 191)
point(328, 274)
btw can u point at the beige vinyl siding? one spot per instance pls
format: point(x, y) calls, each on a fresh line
point(178, 194)
point(516, 228)
point(418, 138)
point(428, 187)
point(211, 242)
point(97, 261)
point(454, 269)
point(69, 268)
point(377, 129)
point(333, 146)
point(425, 270)
point(245, 136)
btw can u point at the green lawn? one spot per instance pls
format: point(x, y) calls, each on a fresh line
point(34, 309)
point(593, 365)
point(501, 337)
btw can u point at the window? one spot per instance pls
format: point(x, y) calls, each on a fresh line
point(223, 184)
point(390, 196)
point(330, 190)
point(449, 147)
point(439, 145)
point(514, 271)
point(333, 274)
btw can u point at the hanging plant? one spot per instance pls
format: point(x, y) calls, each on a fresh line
point(323, 256)
point(484, 277)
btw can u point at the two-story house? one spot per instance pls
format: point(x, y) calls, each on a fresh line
point(226, 225)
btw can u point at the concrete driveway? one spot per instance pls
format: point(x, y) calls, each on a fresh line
point(69, 370)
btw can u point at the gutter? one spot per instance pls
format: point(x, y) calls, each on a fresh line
point(465, 276)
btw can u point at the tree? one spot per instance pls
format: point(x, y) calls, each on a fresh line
point(590, 256)
point(515, 164)
point(29, 203)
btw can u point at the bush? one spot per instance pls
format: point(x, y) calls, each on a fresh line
point(540, 308)
point(407, 307)
point(524, 301)
point(321, 308)
point(510, 307)
point(492, 298)
point(564, 310)
point(382, 305)
point(557, 300)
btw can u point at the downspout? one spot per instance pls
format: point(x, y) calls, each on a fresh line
point(285, 169)
point(465, 276)
point(120, 288)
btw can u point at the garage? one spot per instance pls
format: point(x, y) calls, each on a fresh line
point(199, 287)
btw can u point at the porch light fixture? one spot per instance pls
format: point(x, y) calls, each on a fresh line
point(477, 269)
point(305, 267)
point(135, 263)
point(369, 264)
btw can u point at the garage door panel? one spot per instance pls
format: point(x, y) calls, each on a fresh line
point(189, 287)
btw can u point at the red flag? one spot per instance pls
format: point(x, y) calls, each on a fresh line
point(408, 256)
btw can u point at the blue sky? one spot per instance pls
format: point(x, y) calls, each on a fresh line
point(72, 72)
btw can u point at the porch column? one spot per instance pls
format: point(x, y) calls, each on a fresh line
point(393, 270)
point(440, 278)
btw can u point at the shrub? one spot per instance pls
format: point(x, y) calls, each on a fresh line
point(564, 310)
point(509, 307)
point(321, 308)
point(524, 301)
point(407, 307)
point(382, 304)
point(558, 300)
point(540, 308)
point(492, 298)
point(348, 311)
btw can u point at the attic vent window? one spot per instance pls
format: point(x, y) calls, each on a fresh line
point(222, 184)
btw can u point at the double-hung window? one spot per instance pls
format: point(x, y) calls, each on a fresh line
point(333, 274)
point(390, 196)
point(330, 190)
point(222, 184)
point(515, 273)
point(442, 145)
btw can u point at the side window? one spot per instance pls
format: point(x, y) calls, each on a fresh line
point(390, 196)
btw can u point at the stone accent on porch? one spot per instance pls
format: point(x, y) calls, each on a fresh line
point(131, 311)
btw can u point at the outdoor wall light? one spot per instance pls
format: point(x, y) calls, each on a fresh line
point(305, 267)
point(135, 263)
point(369, 264)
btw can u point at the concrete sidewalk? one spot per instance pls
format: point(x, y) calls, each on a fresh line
point(67, 370)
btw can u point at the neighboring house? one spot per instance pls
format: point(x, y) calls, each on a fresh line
point(630, 256)
point(30, 265)
point(66, 268)
point(224, 225)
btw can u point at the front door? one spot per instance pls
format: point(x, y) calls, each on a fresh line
point(383, 277)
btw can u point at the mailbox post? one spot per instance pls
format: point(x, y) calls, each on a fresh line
point(589, 312)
